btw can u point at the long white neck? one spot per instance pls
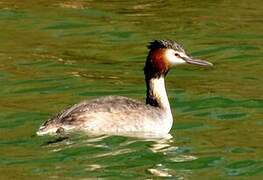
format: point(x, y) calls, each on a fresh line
point(156, 93)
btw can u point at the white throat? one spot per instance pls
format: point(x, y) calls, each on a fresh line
point(158, 91)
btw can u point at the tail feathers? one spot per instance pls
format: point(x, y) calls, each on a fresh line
point(45, 130)
point(53, 129)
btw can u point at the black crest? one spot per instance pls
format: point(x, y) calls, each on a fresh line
point(169, 44)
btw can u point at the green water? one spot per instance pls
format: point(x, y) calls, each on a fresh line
point(56, 53)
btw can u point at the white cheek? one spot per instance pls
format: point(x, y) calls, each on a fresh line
point(170, 56)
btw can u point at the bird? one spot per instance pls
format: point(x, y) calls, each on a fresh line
point(122, 115)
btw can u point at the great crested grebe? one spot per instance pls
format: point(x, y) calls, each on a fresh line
point(121, 115)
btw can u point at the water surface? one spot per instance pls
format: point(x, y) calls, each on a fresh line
point(56, 53)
